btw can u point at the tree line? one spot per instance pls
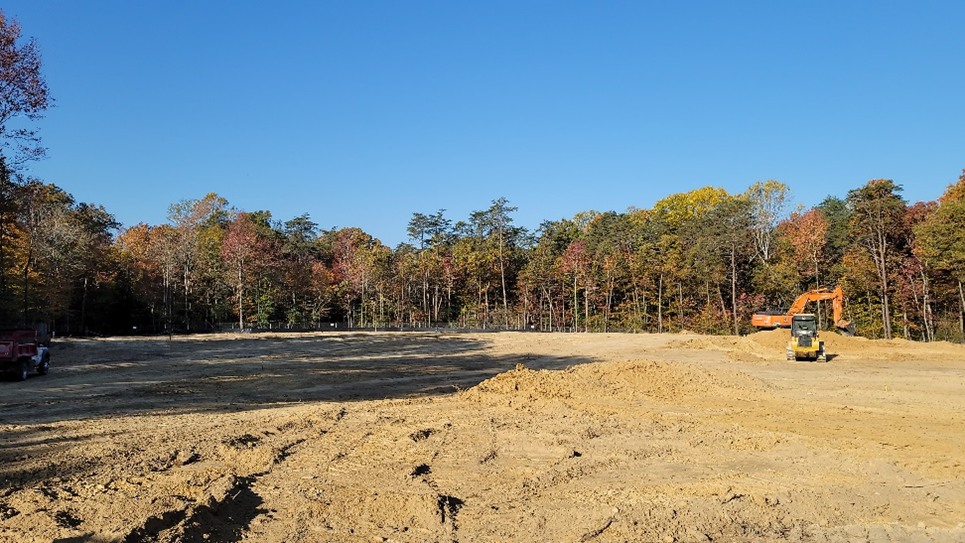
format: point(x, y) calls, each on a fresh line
point(703, 261)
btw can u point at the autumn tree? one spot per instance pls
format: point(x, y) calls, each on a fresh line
point(9, 231)
point(354, 256)
point(63, 254)
point(191, 218)
point(941, 240)
point(576, 263)
point(23, 93)
point(137, 255)
point(678, 221)
point(837, 239)
point(496, 224)
point(610, 240)
point(914, 277)
point(729, 224)
point(543, 271)
point(238, 249)
point(434, 235)
point(299, 256)
point(807, 235)
point(876, 224)
point(768, 200)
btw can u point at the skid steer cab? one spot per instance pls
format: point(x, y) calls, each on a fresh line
point(804, 344)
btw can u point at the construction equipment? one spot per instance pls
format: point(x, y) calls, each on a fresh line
point(804, 344)
point(768, 320)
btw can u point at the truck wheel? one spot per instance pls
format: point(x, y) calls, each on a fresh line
point(44, 365)
point(22, 371)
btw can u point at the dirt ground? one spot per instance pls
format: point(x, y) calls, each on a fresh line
point(484, 437)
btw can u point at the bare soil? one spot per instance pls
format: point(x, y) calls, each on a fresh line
point(355, 437)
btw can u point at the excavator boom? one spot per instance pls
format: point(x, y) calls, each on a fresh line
point(770, 320)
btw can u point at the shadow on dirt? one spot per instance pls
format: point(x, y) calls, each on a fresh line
point(222, 519)
point(117, 378)
point(121, 377)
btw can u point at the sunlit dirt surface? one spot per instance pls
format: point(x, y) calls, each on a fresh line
point(484, 437)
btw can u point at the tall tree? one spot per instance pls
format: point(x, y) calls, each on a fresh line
point(239, 248)
point(23, 92)
point(299, 253)
point(768, 200)
point(190, 218)
point(941, 239)
point(838, 238)
point(876, 220)
point(9, 230)
point(496, 223)
point(730, 221)
point(807, 234)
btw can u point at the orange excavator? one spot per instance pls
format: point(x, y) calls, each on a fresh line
point(769, 320)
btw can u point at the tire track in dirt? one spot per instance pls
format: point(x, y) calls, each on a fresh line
point(334, 471)
point(225, 510)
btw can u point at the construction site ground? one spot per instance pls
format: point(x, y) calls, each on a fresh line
point(436, 436)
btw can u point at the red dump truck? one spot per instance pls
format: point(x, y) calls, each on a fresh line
point(23, 350)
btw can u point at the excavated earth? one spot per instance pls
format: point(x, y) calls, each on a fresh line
point(354, 437)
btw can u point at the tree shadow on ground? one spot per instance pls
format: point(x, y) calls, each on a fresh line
point(90, 379)
point(93, 379)
point(96, 380)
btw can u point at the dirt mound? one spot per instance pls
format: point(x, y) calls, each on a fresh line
point(770, 345)
point(626, 380)
point(740, 349)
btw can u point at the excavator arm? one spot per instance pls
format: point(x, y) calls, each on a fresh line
point(770, 321)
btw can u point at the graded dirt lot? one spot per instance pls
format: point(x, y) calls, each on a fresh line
point(484, 437)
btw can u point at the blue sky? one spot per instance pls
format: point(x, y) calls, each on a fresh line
point(363, 113)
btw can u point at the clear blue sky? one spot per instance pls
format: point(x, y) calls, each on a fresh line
point(362, 113)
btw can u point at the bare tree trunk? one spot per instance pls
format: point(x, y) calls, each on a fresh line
point(885, 312)
point(502, 277)
point(586, 309)
point(576, 307)
point(636, 306)
point(882, 263)
point(83, 307)
point(486, 315)
point(26, 283)
point(733, 288)
point(961, 314)
point(680, 304)
point(660, 305)
point(425, 297)
point(241, 299)
point(187, 305)
point(925, 307)
point(644, 320)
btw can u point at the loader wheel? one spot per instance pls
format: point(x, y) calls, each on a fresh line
point(44, 365)
point(22, 371)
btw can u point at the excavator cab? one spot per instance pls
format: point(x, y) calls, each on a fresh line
point(804, 344)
